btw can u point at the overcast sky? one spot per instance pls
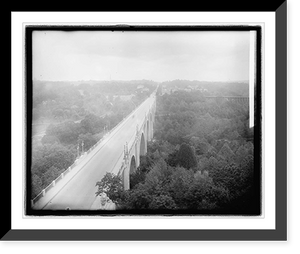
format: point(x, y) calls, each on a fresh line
point(157, 56)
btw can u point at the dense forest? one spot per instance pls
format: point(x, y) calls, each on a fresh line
point(200, 161)
point(68, 118)
point(210, 88)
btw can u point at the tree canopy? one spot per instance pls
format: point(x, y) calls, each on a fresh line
point(201, 159)
point(70, 117)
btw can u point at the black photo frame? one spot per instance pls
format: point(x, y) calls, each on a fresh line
point(256, 205)
point(277, 234)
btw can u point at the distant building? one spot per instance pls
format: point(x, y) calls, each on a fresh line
point(202, 89)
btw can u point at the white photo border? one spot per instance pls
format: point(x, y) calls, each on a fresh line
point(18, 218)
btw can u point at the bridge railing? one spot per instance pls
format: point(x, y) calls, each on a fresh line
point(78, 160)
point(131, 147)
point(64, 173)
point(52, 184)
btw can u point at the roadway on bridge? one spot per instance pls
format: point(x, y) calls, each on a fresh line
point(77, 191)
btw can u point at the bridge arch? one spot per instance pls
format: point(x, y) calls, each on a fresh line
point(151, 125)
point(143, 147)
point(132, 167)
point(124, 179)
point(132, 170)
point(148, 130)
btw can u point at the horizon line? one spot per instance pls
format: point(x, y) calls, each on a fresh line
point(120, 80)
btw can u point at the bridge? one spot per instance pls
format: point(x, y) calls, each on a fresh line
point(118, 152)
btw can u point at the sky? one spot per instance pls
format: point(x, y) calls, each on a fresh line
point(134, 55)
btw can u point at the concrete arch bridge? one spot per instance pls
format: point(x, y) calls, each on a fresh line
point(118, 152)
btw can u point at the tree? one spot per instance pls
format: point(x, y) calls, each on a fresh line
point(226, 152)
point(187, 157)
point(241, 153)
point(50, 175)
point(54, 155)
point(203, 164)
point(173, 159)
point(49, 139)
point(47, 163)
point(233, 135)
point(139, 176)
point(230, 177)
point(213, 164)
point(200, 159)
point(212, 152)
point(138, 199)
point(59, 114)
point(194, 141)
point(203, 194)
point(158, 176)
point(234, 145)
point(247, 167)
point(112, 185)
point(36, 185)
point(164, 148)
point(67, 132)
point(88, 140)
point(202, 148)
point(180, 180)
point(162, 202)
point(92, 124)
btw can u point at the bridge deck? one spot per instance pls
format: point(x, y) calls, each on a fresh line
point(77, 189)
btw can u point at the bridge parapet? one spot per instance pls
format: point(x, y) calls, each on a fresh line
point(77, 161)
point(122, 163)
point(133, 147)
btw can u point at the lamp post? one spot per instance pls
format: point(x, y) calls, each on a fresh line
point(82, 147)
point(137, 130)
point(78, 150)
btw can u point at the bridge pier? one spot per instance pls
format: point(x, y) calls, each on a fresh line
point(125, 177)
point(138, 148)
point(137, 155)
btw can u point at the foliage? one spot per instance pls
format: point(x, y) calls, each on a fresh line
point(49, 139)
point(66, 132)
point(162, 202)
point(137, 177)
point(36, 184)
point(226, 153)
point(88, 140)
point(180, 181)
point(204, 195)
point(77, 112)
point(111, 185)
point(201, 159)
point(55, 155)
point(92, 124)
point(186, 156)
point(137, 199)
point(48, 162)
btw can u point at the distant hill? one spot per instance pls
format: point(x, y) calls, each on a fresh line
point(213, 88)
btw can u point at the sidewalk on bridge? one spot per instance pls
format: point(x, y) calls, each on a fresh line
point(81, 162)
point(52, 192)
